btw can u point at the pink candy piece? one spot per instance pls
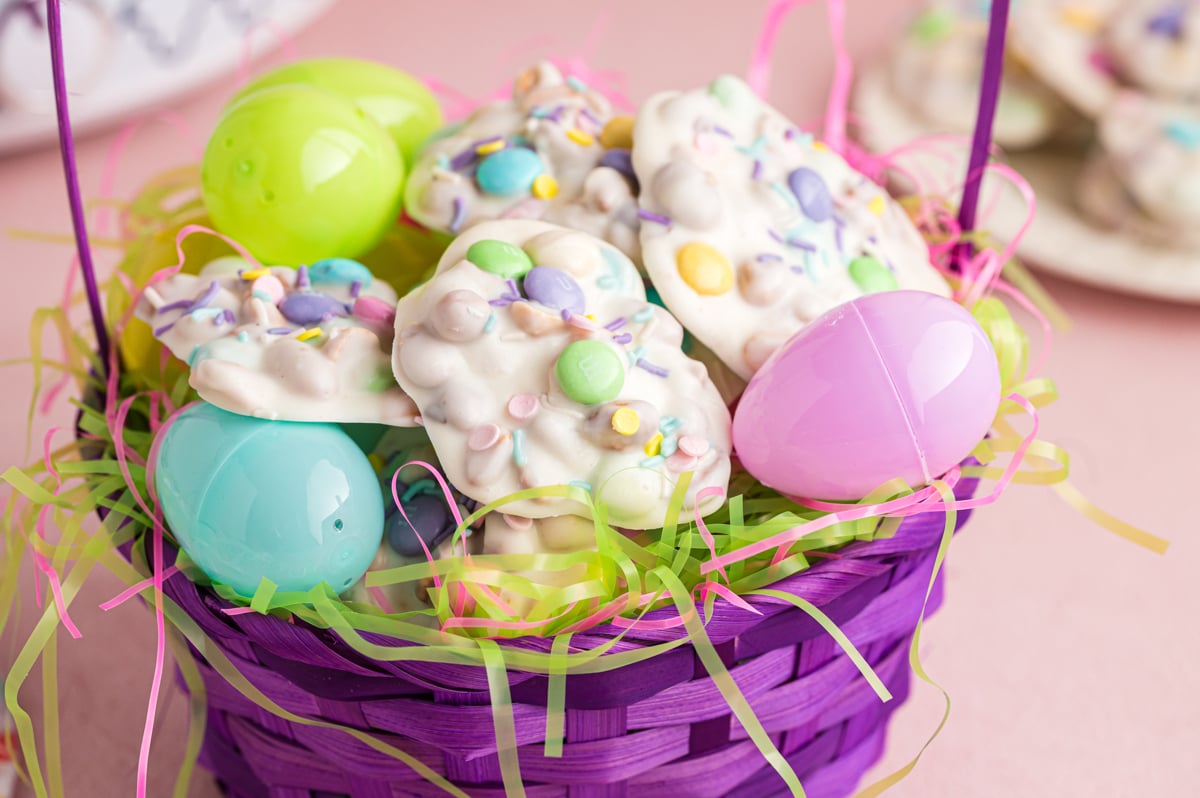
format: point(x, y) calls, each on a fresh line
point(523, 406)
point(680, 462)
point(484, 437)
point(370, 309)
point(582, 323)
point(270, 286)
point(693, 445)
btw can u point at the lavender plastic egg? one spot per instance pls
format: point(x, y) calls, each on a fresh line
point(897, 384)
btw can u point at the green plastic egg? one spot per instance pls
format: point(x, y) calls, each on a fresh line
point(393, 98)
point(297, 174)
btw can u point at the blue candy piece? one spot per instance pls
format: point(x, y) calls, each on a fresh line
point(554, 288)
point(339, 271)
point(812, 194)
point(247, 499)
point(309, 307)
point(509, 172)
point(431, 520)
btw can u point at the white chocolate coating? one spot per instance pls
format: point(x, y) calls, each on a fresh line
point(562, 121)
point(1060, 41)
point(1146, 177)
point(936, 71)
point(484, 377)
point(718, 170)
point(1155, 45)
point(246, 356)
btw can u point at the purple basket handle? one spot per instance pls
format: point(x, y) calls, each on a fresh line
point(66, 143)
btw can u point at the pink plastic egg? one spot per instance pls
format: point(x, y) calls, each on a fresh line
point(895, 384)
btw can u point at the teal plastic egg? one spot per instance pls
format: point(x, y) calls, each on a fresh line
point(298, 504)
point(395, 99)
point(297, 174)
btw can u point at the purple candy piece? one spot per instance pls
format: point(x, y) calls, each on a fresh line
point(310, 307)
point(621, 161)
point(554, 288)
point(1169, 21)
point(431, 522)
point(812, 194)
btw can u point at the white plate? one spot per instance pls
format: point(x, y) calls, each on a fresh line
point(126, 56)
point(1060, 240)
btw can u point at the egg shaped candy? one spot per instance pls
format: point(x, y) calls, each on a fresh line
point(896, 384)
point(298, 174)
point(395, 99)
point(296, 503)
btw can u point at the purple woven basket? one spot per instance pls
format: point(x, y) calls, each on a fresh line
point(659, 727)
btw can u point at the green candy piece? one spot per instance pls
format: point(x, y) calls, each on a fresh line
point(590, 372)
point(297, 174)
point(394, 99)
point(871, 276)
point(734, 94)
point(933, 26)
point(500, 257)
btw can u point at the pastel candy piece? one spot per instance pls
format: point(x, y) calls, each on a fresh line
point(371, 309)
point(530, 401)
point(923, 393)
point(618, 133)
point(1060, 42)
point(872, 276)
point(550, 168)
point(305, 307)
point(554, 288)
point(269, 287)
point(509, 172)
point(704, 269)
point(748, 243)
point(500, 257)
point(812, 194)
point(590, 372)
point(248, 357)
point(341, 271)
point(429, 521)
point(1155, 45)
point(228, 487)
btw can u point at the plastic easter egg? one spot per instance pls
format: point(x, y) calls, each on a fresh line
point(298, 504)
point(897, 384)
point(394, 99)
point(298, 174)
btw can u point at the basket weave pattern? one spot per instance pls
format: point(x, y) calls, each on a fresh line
point(659, 727)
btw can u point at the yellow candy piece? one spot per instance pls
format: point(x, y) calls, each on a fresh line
point(654, 445)
point(490, 147)
point(309, 334)
point(254, 274)
point(580, 137)
point(376, 462)
point(618, 133)
point(545, 187)
point(704, 268)
point(1081, 19)
point(820, 145)
point(876, 206)
point(625, 421)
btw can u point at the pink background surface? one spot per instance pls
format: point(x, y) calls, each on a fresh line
point(1070, 655)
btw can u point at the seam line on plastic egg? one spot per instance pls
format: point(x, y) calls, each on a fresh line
point(912, 433)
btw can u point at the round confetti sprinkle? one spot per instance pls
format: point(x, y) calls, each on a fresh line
point(625, 421)
point(500, 257)
point(812, 194)
point(704, 268)
point(554, 288)
point(545, 187)
point(871, 276)
point(590, 372)
point(484, 437)
point(693, 445)
point(509, 172)
point(523, 406)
